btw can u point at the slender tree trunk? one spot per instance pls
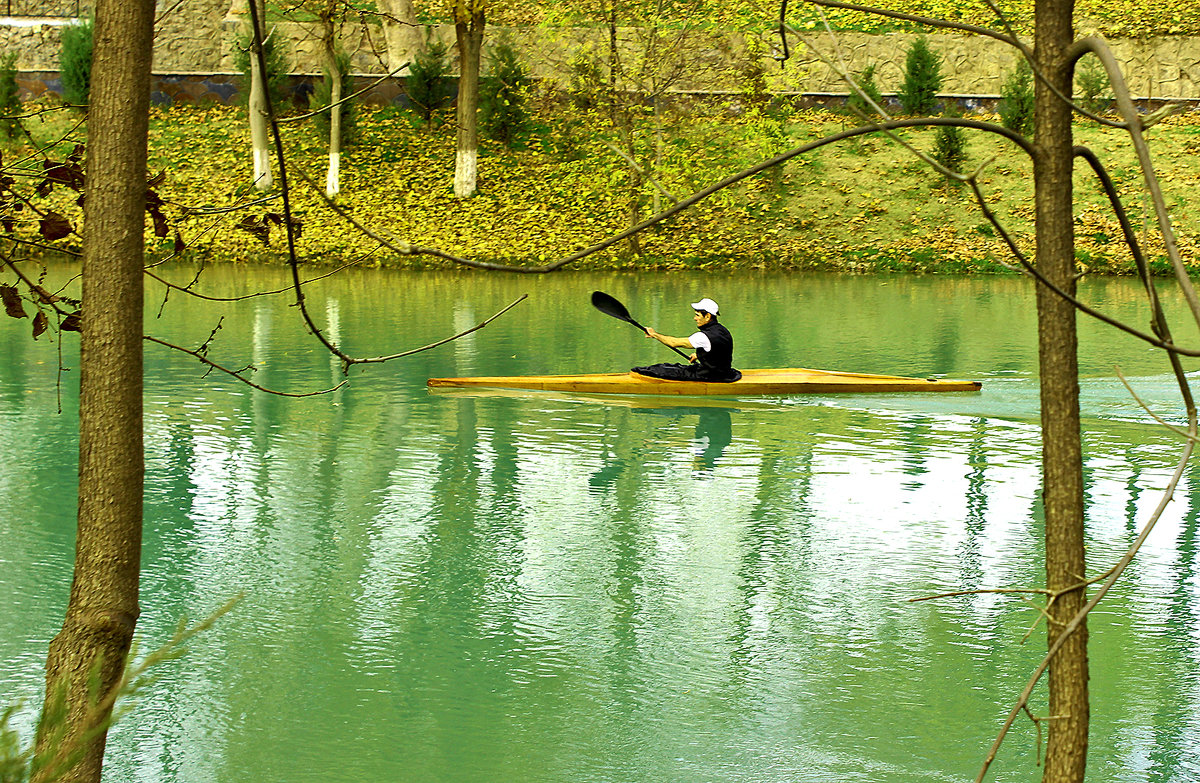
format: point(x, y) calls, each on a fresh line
point(1062, 494)
point(634, 181)
point(468, 29)
point(333, 69)
point(332, 176)
point(258, 114)
point(614, 53)
point(103, 605)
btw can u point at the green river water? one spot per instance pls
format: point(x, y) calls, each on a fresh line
point(549, 589)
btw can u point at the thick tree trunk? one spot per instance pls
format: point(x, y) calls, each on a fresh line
point(257, 108)
point(103, 605)
point(1062, 494)
point(401, 30)
point(469, 33)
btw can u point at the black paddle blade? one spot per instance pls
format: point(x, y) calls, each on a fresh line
point(609, 306)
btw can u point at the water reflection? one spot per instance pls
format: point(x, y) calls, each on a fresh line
point(552, 588)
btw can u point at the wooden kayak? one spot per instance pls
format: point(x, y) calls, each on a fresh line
point(752, 383)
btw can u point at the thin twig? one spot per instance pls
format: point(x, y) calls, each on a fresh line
point(236, 373)
point(443, 341)
point(350, 97)
point(187, 289)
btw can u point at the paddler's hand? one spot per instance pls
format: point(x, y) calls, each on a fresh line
point(651, 333)
point(692, 358)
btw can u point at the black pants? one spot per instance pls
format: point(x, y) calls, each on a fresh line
point(688, 372)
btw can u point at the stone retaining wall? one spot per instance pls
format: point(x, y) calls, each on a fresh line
point(194, 56)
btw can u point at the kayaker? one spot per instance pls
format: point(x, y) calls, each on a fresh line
point(713, 344)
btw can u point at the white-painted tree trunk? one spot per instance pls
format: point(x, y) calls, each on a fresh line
point(332, 185)
point(469, 34)
point(258, 126)
point(466, 172)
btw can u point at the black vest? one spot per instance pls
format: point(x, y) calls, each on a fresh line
point(719, 358)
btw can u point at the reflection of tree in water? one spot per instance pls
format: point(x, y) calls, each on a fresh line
point(970, 551)
point(1173, 737)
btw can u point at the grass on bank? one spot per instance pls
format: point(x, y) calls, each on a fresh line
point(864, 205)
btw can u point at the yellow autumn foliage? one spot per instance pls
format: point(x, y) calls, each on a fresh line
point(1111, 18)
point(865, 204)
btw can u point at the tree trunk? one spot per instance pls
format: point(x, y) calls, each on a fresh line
point(634, 181)
point(257, 107)
point(332, 174)
point(332, 184)
point(469, 32)
point(1062, 494)
point(401, 30)
point(103, 605)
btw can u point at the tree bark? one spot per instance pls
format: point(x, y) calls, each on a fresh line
point(257, 108)
point(103, 605)
point(468, 28)
point(401, 31)
point(333, 174)
point(1062, 494)
point(329, 35)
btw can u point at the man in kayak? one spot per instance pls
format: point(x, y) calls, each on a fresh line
point(713, 359)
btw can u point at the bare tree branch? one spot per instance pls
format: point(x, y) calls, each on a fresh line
point(1134, 124)
point(237, 373)
point(463, 333)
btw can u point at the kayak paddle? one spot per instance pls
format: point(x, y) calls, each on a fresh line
point(610, 306)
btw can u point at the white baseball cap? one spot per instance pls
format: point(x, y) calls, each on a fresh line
point(707, 305)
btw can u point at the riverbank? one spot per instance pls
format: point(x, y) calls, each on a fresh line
point(863, 205)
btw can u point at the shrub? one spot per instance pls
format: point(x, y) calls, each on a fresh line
point(587, 81)
point(426, 83)
point(75, 62)
point(1016, 99)
point(866, 82)
point(750, 73)
point(277, 67)
point(322, 95)
point(950, 149)
point(503, 113)
point(10, 105)
point(1092, 85)
point(922, 79)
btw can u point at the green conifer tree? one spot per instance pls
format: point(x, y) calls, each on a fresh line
point(427, 79)
point(950, 150)
point(277, 67)
point(75, 62)
point(1016, 99)
point(10, 104)
point(502, 112)
point(922, 79)
point(866, 82)
point(1092, 85)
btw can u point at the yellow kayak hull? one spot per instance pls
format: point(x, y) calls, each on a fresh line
point(795, 380)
